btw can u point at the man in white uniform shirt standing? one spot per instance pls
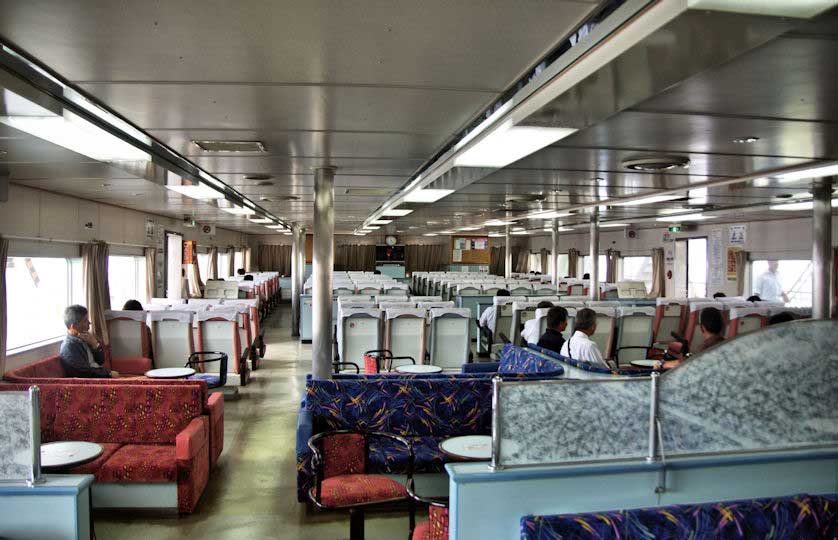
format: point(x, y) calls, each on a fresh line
point(768, 286)
point(579, 346)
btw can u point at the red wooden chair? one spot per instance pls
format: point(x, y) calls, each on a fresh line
point(436, 528)
point(341, 478)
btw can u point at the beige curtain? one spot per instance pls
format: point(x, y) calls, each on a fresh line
point(4, 253)
point(150, 273)
point(612, 259)
point(572, 262)
point(355, 257)
point(520, 259)
point(658, 274)
point(212, 270)
point(248, 266)
point(231, 261)
point(545, 260)
point(424, 258)
point(193, 276)
point(741, 264)
point(496, 261)
point(94, 264)
point(274, 258)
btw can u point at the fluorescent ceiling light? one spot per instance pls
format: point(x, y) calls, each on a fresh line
point(260, 220)
point(74, 133)
point(549, 215)
point(565, 229)
point(427, 195)
point(446, 232)
point(610, 225)
point(495, 235)
point(804, 205)
point(249, 204)
point(814, 172)
point(238, 211)
point(518, 228)
point(430, 234)
point(397, 212)
point(200, 192)
point(469, 229)
point(359, 233)
point(497, 223)
point(370, 228)
point(698, 196)
point(520, 232)
point(210, 179)
point(649, 200)
point(684, 217)
point(287, 233)
point(274, 227)
point(508, 143)
point(381, 221)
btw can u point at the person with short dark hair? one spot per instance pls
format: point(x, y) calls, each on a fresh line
point(720, 295)
point(556, 324)
point(531, 332)
point(487, 318)
point(240, 272)
point(711, 326)
point(779, 318)
point(132, 305)
point(586, 276)
point(81, 353)
point(579, 346)
point(754, 298)
point(248, 277)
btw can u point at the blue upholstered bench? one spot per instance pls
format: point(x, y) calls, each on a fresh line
point(517, 361)
point(425, 411)
point(800, 517)
point(587, 366)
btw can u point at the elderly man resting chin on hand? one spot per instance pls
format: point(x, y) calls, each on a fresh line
point(81, 353)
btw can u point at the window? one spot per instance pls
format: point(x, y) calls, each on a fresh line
point(126, 280)
point(795, 277)
point(586, 266)
point(697, 267)
point(203, 265)
point(37, 291)
point(223, 265)
point(534, 262)
point(174, 265)
point(562, 265)
point(637, 269)
point(238, 260)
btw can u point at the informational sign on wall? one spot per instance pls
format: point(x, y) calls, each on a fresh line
point(717, 258)
point(149, 229)
point(737, 235)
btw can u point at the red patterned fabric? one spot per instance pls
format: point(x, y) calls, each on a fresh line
point(343, 453)
point(108, 450)
point(215, 408)
point(46, 368)
point(131, 366)
point(358, 489)
point(193, 464)
point(436, 528)
point(146, 463)
point(422, 531)
point(370, 364)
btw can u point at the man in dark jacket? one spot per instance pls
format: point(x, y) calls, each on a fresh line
point(81, 354)
point(556, 324)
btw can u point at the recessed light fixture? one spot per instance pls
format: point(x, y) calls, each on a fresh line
point(814, 172)
point(260, 220)
point(430, 234)
point(446, 232)
point(469, 229)
point(275, 227)
point(599, 180)
point(745, 140)
point(649, 200)
point(799, 206)
point(684, 217)
point(508, 143)
point(200, 191)
point(238, 211)
point(230, 146)
point(397, 212)
point(381, 222)
point(656, 163)
point(359, 233)
point(612, 225)
point(497, 223)
point(427, 195)
point(519, 233)
point(370, 228)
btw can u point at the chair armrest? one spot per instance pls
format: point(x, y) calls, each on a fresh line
point(192, 439)
point(131, 366)
point(305, 429)
point(480, 367)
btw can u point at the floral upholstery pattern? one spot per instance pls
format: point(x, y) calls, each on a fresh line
point(388, 457)
point(801, 517)
point(343, 453)
point(436, 528)
point(354, 489)
point(519, 360)
point(147, 463)
point(93, 467)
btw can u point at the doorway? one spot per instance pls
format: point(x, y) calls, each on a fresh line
point(174, 265)
point(690, 273)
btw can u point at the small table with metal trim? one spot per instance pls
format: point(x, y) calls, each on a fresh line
point(418, 368)
point(170, 373)
point(66, 454)
point(647, 364)
point(468, 447)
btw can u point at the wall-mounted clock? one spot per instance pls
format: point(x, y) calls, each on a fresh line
point(391, 240)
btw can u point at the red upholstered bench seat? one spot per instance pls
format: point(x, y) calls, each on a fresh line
point(150, 463)
point(51, 368)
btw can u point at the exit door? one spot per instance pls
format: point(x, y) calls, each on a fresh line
point(690, 272)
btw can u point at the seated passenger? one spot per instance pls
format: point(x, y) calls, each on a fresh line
point(81, 353)
point(132, 305)
point(556, 324)
point(248, 277)
point(711, 326)
point(754, 298)
point(586, 275)
point(779, 318)
point(720, 295)
point(531, 327)
point(487, 318)
point(579, 346)
point(240, 272)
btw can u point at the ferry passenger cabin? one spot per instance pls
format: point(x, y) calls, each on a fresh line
point(430, 270)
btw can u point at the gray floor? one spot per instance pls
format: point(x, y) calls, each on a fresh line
point(252, 492)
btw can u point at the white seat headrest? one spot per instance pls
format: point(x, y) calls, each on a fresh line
point(432, 305)
point(603, 303)
point(396, 305)
point(543, 299)
point(503, 300)
point(227, 315)
point(574, 299)
point(698, 306)
point(179, 316)
point(605, 311)
point(626, 311)
point(205, 301)
point(359, 312)
point(450, 312)
point(140, 316)
point(392, 313)
point(252, 302)
point(740, 312)
point(541, 312)
point(569, 305)
point(662, 301)
point(426, 299)
point(521, 306)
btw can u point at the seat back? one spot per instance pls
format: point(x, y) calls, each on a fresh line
point(468, 290)
point(219, 331)
point(425, 299)
point(746, 320)
point(606, 318)
point(369, 289)
point(404, 333)
point(359, 330)
point(503, 314)
point(521, 290)
point(575, 289)
point(450, 338)
point(395, 290)
point(172, 337)
point(543, 290)
point(635, 326)
point(384, 306)
point(670, 316)
point(128, 334)
point(343, 291)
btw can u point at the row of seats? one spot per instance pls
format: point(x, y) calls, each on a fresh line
point(450, 284)
point(263, 286)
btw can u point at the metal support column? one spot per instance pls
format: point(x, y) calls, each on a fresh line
point(593, 285)
point(301, 263)
point(554, 252)
point(322, 265)
point(295, 281)
point(507, 255)
point(821, 247)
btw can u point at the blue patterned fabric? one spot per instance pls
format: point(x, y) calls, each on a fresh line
point(587, 366)
point(425, 410)
point(519, 360)
point(801, 517)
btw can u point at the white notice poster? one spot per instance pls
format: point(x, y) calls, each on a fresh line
point(717, 258)
point(458, 255)
point(738, 235)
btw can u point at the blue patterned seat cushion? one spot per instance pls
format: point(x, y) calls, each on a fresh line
point(801, 517)
point(388, 457)
point(213, 381)
point(587, 366)
point(519, 360)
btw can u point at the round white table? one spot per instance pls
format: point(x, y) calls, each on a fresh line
point(468, 447)
point(418, 368)
point(65, 454)
point(647, 364)
point(170, 373)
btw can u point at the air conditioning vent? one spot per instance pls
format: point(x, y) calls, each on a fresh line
point(257, 177)
point(656, 163)
point(280, 198)
point(368, 192)
point(230, 146)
